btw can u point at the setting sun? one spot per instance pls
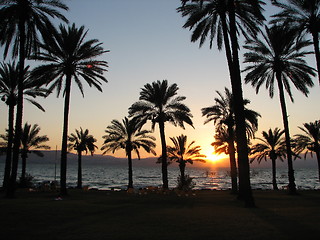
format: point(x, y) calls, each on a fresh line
point(214, 158)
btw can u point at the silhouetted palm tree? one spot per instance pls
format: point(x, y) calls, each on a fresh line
point(226, 19)
point(222, 114)
point(272, 145)
point(81, 141)
point(309, 140)
point(9, 74)
point(184, 153)
point(30, 139)
point(159, 104)
point(70, 57)
point(128, 136)
point(21, 21)
point(279, 59)
point(305, 14)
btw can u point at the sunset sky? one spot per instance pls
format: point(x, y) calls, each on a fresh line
point(147, 43)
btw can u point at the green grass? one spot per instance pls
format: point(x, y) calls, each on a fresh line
point(117, 215)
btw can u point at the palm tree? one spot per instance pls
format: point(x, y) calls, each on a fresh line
point(128, 136)
point(183, 154)
point(21, 21)
point(226, 19)
point(159, 104)
point(223, 116)
point(309, 140)
point(30, 139)
point(279, 59)
point(272, 145)
point(9, 74)
point(305, 14)
point(81, 141)
point(69, 58)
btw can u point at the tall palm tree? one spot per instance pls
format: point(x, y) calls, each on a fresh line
point(305, 14)
point(9, 74)
point(21, 21)
point(279, 59)
point(184, 153)
point(226, 19)
point(223, 116)
point(159, 104)
point(272, 145)
point(309, 140)
point(70, 57)
point(128, 136)
point(30, 139)
point(81, 141)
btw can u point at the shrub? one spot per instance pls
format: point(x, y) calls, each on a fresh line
point(186, 183)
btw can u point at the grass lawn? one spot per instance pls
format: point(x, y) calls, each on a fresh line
point(118, 215)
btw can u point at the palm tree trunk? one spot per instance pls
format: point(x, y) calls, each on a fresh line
point(63, 167)
point(317, 148)
point(233, 164)
point(274, 174)
point(18, 127)
point(317, 51)
point(292, 185)
point(182, 167)
point(23, 168)
point(164, 156)
point(79, 183)
point(245, 191)
point(9, 147)
point(233, 167)
point(227, 45)
point(130, 174)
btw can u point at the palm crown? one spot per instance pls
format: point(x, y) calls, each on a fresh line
point(82, 141)
point(159, 104)
point(222, 113)
point(182, 152)
point(282, 53)
point(33, 15)
point(310, 139)
point(128, 136)
point(210, 18)
point(272, 145)
point(70, 55)
point(9, 73)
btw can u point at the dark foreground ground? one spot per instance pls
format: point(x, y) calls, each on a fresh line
point(118, 215)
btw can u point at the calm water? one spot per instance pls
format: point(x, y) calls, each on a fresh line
point(106, 177)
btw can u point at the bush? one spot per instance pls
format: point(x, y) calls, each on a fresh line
point(26, 182)
point(186, 183)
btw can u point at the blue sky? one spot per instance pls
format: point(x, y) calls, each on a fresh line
point(147, 43)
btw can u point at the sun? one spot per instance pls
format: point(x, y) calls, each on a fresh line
point(214, 158)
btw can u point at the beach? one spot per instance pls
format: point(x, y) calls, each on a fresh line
point(207, 214)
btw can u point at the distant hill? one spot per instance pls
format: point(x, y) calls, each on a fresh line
point(51, 156)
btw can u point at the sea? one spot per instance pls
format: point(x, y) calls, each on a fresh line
point(112, 176)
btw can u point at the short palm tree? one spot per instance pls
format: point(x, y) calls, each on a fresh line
point(273, 146)
point(279, 59)
point(128, 136)
point(223, 116)
point(159, 104)
point(70, 57)
point(9, 74)
point(30, 139)
point(21, 21)
point(305, 14)
point(225, 19)
point(81, 141)
point(184, 153)
point(309, 140)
